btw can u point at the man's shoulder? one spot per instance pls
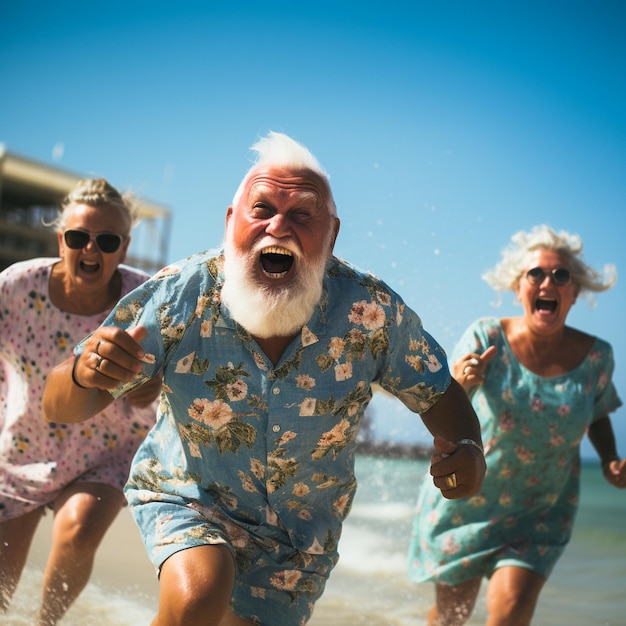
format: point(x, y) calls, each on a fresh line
point(205, 266)
point(347, 274)
point(342, 269)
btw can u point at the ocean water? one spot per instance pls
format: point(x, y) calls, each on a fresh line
point(369, 586)
point(587, 587)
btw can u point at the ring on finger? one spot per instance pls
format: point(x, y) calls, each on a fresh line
point(99, 363)
point(473, 362)
point(451, 481)
point(98, 347)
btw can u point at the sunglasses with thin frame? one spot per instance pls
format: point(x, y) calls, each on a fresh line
point(78, 239)
point(560, 276)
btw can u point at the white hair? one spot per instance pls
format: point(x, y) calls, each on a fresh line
point(280, 150)
point(516, 256)
point(269, 312)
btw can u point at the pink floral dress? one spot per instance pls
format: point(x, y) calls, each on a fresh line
point(39, 459)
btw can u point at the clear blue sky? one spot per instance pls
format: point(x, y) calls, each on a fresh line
point(445, 127)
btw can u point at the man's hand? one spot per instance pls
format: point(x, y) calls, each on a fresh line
point(458, 470)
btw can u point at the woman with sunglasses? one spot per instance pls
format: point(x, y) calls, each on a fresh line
point(537, 386)
point(46, 306)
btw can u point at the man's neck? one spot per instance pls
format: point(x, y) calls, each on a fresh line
point(274, 347)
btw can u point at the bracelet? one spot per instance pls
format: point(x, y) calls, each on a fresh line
point(74, 373)
point(470, 442)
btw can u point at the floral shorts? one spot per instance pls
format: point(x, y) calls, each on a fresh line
point(275, 585)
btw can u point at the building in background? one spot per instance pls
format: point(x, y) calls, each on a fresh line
point(30, 195)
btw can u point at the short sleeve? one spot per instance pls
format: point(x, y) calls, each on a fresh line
point(477, 338)
point(606, 399)
point(417, 369)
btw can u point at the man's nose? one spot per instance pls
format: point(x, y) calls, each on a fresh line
point(278, 225)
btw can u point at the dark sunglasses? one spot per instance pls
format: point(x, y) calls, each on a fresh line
point(560, 276)
point(78, 239)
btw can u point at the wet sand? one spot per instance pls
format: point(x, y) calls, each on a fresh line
point(123, 569)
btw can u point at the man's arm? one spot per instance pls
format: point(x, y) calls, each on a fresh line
point(451, 420)
point(77, 389)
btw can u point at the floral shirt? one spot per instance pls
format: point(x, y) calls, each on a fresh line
point(39, 459)
point(532, 427)
point(271, 446)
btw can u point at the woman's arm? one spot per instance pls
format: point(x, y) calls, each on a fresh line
point(64, 401)
point(469, 370)
point(602, 438)
point(77, 389)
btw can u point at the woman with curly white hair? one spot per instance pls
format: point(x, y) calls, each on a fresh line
point(537, 386)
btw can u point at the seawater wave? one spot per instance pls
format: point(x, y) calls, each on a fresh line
point(96, 606)
point(369, 586)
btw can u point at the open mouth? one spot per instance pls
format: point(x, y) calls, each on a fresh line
point(546, 304)
point(89, 267)
point(275, 261)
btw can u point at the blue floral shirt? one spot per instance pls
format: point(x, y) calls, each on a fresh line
point(271, 446)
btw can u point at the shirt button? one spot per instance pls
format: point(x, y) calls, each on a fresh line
point(276, 428)
point(276, 391)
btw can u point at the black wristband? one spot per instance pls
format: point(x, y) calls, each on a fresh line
point(74, 373)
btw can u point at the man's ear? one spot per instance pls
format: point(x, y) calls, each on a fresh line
point(336, 226)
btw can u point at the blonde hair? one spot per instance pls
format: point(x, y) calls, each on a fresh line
point(515, 257)
point(97, 192)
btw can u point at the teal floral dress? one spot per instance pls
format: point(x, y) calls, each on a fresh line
point(532, 428)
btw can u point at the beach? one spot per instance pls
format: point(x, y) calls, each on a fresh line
point(124, 591)
point(369, 586)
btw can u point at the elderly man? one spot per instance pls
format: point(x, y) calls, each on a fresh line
point(269, 350)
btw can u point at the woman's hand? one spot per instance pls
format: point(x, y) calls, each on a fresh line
point(77, 388)
point(470, 370)
point(602, 437)
point(615, 472)
point(110, 356)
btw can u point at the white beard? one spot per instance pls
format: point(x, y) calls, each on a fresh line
point(265, 311)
